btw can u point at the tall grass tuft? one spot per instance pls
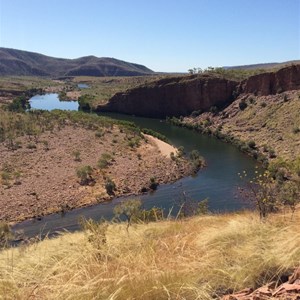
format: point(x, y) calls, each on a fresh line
point(201, 257)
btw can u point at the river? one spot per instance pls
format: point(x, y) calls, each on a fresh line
point(218, 182)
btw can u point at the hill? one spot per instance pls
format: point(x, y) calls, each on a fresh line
point(23, 63)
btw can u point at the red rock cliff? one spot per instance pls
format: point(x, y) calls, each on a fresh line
point(176, 96)
point(285, 79)
point(172, 96)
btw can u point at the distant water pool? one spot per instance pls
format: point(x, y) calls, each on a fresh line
point(83, 85)
point(50, 102)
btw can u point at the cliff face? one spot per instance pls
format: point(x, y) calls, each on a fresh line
point(181, 95)
point(173, 96)
point(285, 79)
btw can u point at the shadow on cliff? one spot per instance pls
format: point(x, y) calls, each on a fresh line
point(181, 95)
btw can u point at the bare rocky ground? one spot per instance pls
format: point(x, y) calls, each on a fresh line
point(289, 290)
point(43, 176)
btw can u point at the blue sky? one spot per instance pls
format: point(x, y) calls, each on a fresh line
point(164, 35)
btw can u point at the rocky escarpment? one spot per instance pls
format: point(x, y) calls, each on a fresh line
point(271, 83)
point(176, 96)
point(173, 96)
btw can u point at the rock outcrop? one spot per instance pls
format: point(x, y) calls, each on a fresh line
point(173, 96)
point(271, 83)
point(289, 290)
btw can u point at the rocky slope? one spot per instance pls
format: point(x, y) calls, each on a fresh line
point(181, 95)
point(272, 121)
point(48, 166)
point(24, 63)
point(173, 96)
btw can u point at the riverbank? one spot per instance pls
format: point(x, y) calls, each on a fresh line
point(164, 148)
point(40, 171)
point(271, 121)
point(203, 257)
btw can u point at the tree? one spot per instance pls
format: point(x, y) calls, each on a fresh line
point(264, 192)
point(5, 234)
point(104, 160)
point(130, 209)
point(243, 105)
point(19, 104)
point(84, 102)
point(153, 183)
point(189, 207)
point(110, 186)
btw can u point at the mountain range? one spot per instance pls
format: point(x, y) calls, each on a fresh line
point(23, 63)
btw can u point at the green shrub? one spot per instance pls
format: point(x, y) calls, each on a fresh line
point(96, 231)
point(196, 113)
point(251, 144)
point(172, 156)
point(264, 104)
point(296, 129)
point(130, 209)
point(110, 186)
point(155, 134)
point(76, 154)
point(5, 234)
point(251, 100)
point(153, 183)
point(197, 160)
point(62, 96)
point(243, 105)
point(19, 104)
point(5, 177)
point(84, 102)
point(214, 109)
point(99, 133)
point(84, 173)
point(134, 142)
point(104, 161)
point(180, 151)
point(272, 153)
point(31, 146)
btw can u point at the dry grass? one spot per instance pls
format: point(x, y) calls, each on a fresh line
point(272, 125)
point(188, 259)
point(272, 120)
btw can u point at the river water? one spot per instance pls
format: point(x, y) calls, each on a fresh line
point(218, 182)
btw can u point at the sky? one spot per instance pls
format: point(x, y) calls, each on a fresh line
point(164, 35)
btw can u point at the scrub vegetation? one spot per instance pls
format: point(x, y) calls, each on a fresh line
point(194, 255)
point(84, 159)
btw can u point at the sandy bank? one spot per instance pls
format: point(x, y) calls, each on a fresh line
point(164, 148)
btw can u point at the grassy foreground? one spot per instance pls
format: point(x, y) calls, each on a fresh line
point(195, 258)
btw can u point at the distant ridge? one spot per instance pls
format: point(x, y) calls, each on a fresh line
point(23, 63)
point(265, 66)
